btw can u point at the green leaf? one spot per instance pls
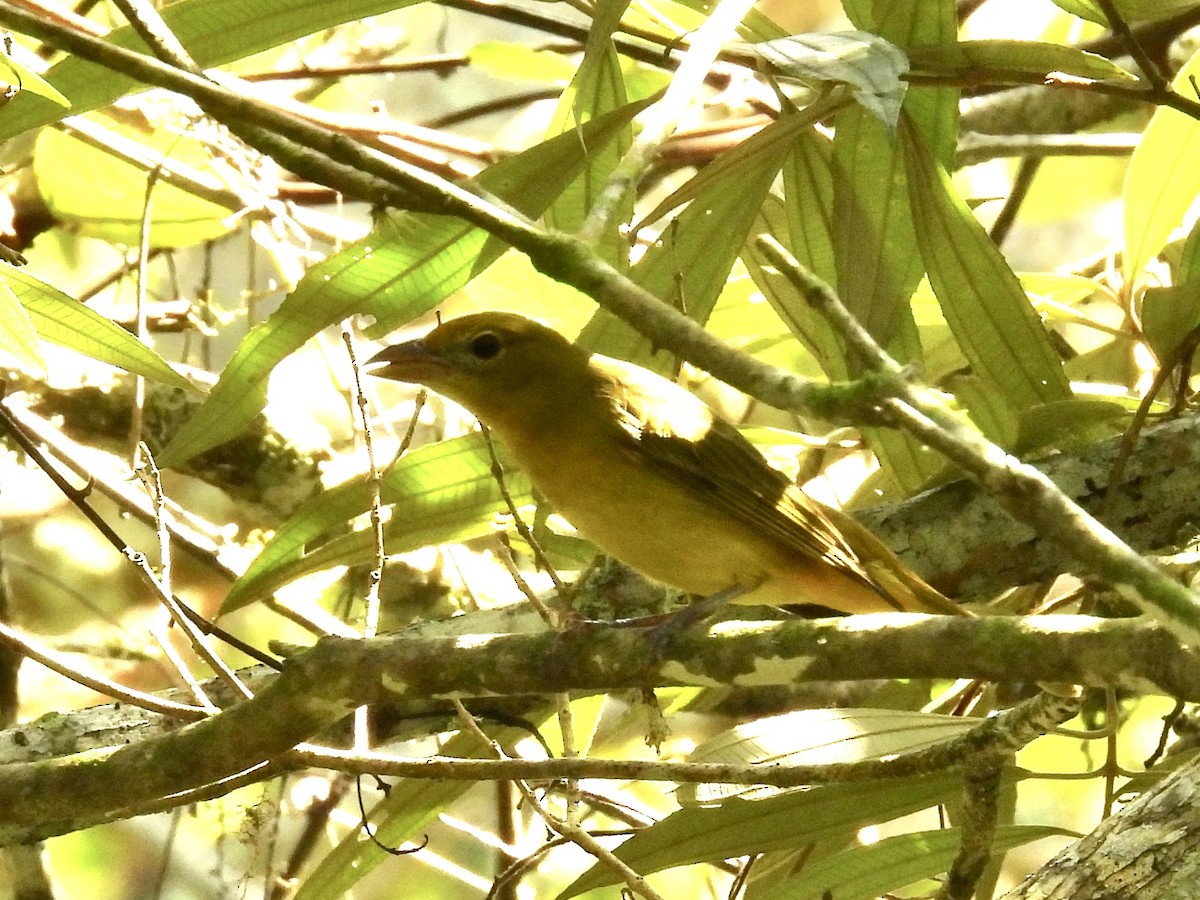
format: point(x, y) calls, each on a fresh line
point(23, 78)
point(982, 299)
point(18, 336)
point(1068, 423)
point(878, 266)
point(988, 409)
point(597, 88)
point(688, 265)
point(816, 737)
point(214, 31)
point(406, 810)
point(439, 493)
point(1163, 179)
point(864, 873)
point(518, 62)
point(1189, 256)
point(919, 23)
point(808, 231)
point(1170, 314)
point(104, 197)
point(1130, 10)
point(871, 66)
point(742, 827)
point(406, 266)
point(65, 321)
point(1021, 57)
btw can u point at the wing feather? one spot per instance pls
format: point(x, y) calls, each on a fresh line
point(677, 433)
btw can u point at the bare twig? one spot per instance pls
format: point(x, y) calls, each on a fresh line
point(565, 827)
point(56, 662)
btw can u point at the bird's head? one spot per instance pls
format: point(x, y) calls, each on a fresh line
point(500, 366)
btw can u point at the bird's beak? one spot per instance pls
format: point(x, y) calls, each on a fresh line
point(411, 361)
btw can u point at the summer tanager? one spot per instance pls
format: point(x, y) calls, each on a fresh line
point(644, 470)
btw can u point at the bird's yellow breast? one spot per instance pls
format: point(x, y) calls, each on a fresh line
point(669, 533)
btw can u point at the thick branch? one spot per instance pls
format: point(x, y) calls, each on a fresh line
point(322, 686)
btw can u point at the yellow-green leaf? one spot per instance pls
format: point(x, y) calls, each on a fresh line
point(23, 78)
point(1163, 178)
point(18, 337)
point(1022, 57)
point(983, 301)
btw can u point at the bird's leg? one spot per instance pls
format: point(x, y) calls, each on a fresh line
point(665, 631)
point(694, 612)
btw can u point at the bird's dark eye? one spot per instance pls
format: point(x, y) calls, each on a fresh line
point(486, 345)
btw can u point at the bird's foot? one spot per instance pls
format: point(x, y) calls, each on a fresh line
point(669, 626)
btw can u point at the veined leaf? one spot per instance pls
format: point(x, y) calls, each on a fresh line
point(65, 321)
point(982, 299)
point(1163, 180)
point(740, 827)
point(18, 337)
point(104, 196)
point(597, 88)
point(867, 872)
point(816, 737)
point(214, 31)
point(871, 66)
point(688, 265)
point(405, 267)
point(439, 493)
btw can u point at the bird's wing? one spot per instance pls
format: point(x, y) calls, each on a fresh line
point(678, 434)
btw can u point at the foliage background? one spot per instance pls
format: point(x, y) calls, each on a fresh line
point(235, 242)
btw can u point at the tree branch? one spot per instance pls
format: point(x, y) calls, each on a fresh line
point(322, 686)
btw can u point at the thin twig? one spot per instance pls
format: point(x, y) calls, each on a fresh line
point(1026, 492)
point(993, 738)
point(1121, 29)
point(78, 497)
point(56, 662)
point(362, 725)
point(572, 831)
point(157, 34)
point(683, 92)
point(147, 471)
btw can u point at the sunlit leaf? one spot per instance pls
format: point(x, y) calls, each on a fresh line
point(405, 267)
point(23, 78)
point(65, 321)
point(810, 737)
point(597, 88)
point(873, 67)
point(18, 336)
point(1163, 179)
point(689, 263)
point(864, 873)
point(518, 62)
point(740, 827)
point(214, 31)
point(104, 197)
point(439, 493)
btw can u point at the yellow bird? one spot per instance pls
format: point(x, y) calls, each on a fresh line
point(645, 471)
